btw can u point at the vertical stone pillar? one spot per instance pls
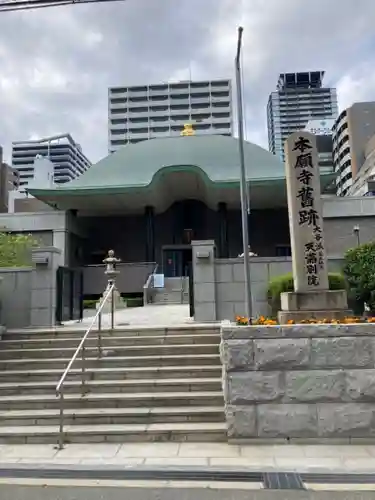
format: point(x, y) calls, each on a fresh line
point(60, 241)
point(305, 213)
point(311, 296)
point(43, 286)
point(223, 231)
point(150, 234)
point(203, 254)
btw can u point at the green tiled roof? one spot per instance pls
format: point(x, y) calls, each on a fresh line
point(217, 156)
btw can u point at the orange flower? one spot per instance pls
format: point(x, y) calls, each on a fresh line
point(270, 322)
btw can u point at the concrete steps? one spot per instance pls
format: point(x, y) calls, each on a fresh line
point(113, 350)
point(116, 386)
point(186, 431)
point(175, 291)
point(69, 342)
point(117, 416)
point(112, 400)
point(150, 384)
point(56, 333)
point(135, 372)
point(108, 361)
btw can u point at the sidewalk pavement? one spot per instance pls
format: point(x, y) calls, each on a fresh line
point(298, 458)
point(151, 315)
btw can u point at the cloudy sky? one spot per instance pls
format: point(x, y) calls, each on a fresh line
point(57, 63)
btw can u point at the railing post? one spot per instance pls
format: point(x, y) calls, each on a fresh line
point(113, 307)
point(61, 420)
point(100, 334)
point(83, 373)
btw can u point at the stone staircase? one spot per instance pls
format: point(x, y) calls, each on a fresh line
point(152, 384)
point(175, 291)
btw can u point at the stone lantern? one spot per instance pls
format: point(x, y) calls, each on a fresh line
point(111, 272)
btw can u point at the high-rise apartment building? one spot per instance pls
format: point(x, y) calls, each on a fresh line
point(351, 133)
point(65, 154)
point(299, 97)
point(152, 111)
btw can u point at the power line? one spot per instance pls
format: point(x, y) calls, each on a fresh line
point(15, 5)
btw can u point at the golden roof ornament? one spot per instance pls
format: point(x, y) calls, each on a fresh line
point(188, 130)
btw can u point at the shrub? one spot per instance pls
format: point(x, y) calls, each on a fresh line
point(285, 283)
point(134, 302)
point(89, 304)
point(15, 249)
point(359, 269)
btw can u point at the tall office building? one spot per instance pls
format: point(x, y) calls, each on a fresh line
point(153, 111)
point(65, 154)
point(351, 133)
point(299, 97)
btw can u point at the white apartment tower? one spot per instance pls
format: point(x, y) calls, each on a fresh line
point(151, 111)
point(299, 97)
point(65, 154)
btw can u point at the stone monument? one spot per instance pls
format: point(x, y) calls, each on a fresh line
point(311, 297)
point(111, 272)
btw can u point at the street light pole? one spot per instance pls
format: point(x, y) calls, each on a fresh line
point(244, 196)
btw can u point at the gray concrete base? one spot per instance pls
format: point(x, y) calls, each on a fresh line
point(119, 303)
point(320, 304)
point(320, 300)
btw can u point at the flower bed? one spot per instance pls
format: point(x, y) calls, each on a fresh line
point(262, 320)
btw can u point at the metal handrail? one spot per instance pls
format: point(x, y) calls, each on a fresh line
point(81, 347)
point(149, 283)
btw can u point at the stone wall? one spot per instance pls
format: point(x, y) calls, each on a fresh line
point(15, 297)
point(299, 381)
point(219, 288)
point(28, 295)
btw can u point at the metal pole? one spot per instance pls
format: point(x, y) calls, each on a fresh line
point(83, 374)
point(113, 307)
point(244, 195)
point(100, 335)
point(61, 421)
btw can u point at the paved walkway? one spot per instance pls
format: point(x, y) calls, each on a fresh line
point(152, 315)
point(300, 458)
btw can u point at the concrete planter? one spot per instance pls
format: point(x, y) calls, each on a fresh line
point(299, 381)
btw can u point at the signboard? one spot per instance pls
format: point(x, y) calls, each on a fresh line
point(158, 280)
point(305, 213)
point(320, 127)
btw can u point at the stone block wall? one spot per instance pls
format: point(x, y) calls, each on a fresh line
point(15, 296)
point(299, 381)
point(219, 284)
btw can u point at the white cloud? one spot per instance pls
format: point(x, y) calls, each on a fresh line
point(58, 63)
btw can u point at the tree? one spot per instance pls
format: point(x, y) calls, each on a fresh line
point(359, 270)
point(15, 249)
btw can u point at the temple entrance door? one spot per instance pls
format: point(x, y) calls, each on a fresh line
point(176, 260)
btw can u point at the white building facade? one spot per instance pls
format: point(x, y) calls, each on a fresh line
point(351, 132)
point(363, 183)
point(66, 155)
point(148, 111)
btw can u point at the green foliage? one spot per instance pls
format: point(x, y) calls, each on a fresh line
point(359, 269)
point(15, 249)
point(285, 283)
point(89, 304)
point(134, 302)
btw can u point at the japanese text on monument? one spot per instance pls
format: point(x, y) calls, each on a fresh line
point(308, 215)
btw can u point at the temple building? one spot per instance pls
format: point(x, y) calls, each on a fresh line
point(149, 200)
